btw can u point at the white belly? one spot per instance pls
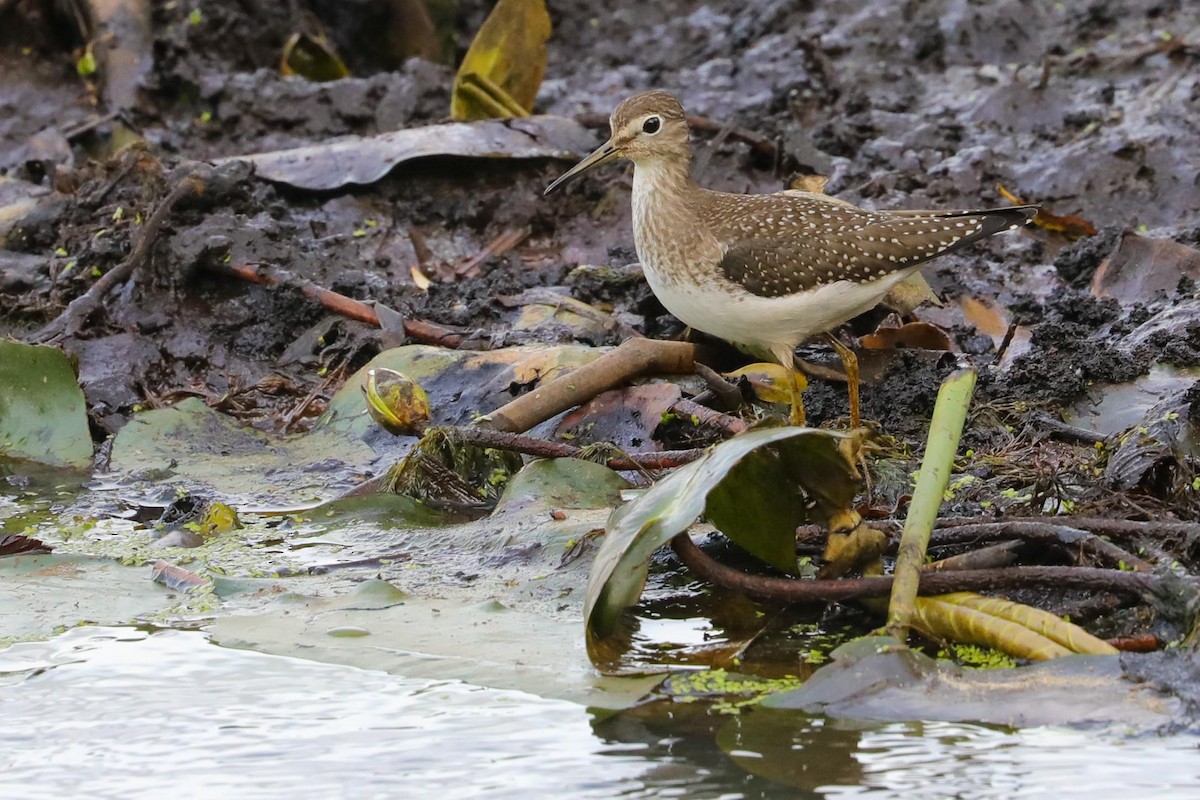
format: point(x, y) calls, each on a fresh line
point(769, 323)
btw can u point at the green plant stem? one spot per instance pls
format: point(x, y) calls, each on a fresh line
point(949, 415)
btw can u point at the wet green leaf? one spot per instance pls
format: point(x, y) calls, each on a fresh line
point(42, 415)
point(503, 68)
point(755, 488)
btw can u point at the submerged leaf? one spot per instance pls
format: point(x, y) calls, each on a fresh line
point(503, 68)
point(756, 488)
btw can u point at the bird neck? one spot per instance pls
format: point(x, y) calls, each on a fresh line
point(665, 219)
point(668, 174)
point(662, 187)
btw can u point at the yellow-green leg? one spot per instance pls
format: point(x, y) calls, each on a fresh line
point(850, 362)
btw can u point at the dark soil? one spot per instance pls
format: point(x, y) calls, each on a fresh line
point(1082, 107)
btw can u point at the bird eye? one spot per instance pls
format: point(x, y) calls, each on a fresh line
point(651, 125)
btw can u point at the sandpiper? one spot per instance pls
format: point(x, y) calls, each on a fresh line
point(768, 271)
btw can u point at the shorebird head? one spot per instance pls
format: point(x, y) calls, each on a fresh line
point(646, 128)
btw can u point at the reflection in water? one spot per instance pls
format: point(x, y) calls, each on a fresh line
point(909, 761)
point(117, 712)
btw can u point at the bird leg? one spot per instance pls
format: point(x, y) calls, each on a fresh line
point(850, 362)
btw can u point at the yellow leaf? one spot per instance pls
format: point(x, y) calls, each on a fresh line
point(503, 68)
point(771, 382)
point(313, 58)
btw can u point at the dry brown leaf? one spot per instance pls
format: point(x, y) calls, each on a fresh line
point(1141, 268)
point(1072, 226)
point(914, 335)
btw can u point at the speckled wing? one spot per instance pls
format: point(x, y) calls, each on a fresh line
point(828, 242)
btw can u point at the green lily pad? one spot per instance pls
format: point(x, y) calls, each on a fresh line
point(755, 488)
point(42, 413)
point(563, 483)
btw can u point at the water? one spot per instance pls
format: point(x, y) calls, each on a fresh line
point(130, 713)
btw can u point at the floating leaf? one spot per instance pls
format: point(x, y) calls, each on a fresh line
point(503, 68)
point(756, 488)
point(42, 414)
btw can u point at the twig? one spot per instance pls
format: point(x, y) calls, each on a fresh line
point(631, 359)
point(1009, 333)
point(1142, 643)
point(191, 180)
point(264, 275)
point(1068, 433)
point(544, 448)
point(728, 395)
point(708, 417)
point(498, 246)
point(794, 590)
point(990, 557)
point(1046, 533)
point(1071, 532)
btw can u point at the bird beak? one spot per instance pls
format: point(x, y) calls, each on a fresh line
point(605, 152)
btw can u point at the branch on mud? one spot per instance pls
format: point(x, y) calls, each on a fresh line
point(631, 359)
point(793, 590)
point(542, 448)
point(1074, 533)
point(264, 275)
point(190, 179)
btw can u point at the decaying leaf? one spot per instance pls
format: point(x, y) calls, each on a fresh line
point(366, 159)
point(919, 335)
point(395, 401)
point(772, 383)
point(311, 57)
point(756, 488)
point(503, 68)
point(626, 417)
point(12, 544)
point(1043, 623)
point(1072, 226)
point(1141, 268)
point(908, 294)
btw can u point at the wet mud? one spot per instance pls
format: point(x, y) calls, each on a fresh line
point(1085, 108)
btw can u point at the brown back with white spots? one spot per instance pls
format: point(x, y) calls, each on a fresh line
point(781, 244)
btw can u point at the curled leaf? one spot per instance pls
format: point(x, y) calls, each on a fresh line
point(503, 68)
point(1071, 226)
point(312, 58)
point(756, 488)
point(395, 401)
point(771, 382)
